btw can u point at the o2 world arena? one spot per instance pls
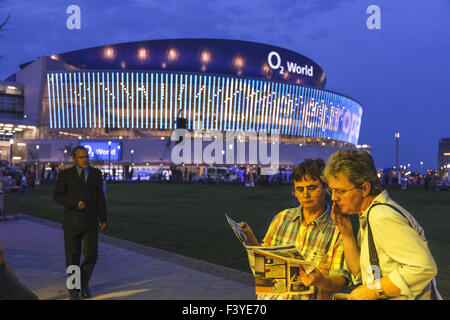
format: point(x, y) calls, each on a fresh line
point(135, 94)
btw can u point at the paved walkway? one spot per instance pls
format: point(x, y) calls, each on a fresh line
point(125, 270)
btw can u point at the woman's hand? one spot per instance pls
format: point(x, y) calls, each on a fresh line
point(249, 233)
point(363, 293)
point(342, 221)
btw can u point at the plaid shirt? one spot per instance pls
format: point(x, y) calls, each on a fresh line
point(319, 241)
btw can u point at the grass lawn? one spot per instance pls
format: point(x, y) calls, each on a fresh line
point(189, 219)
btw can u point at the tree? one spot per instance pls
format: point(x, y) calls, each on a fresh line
point(3, 23)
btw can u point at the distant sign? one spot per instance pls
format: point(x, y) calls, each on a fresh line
point(99, 150)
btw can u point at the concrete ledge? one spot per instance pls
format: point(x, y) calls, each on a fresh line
point(195, 264)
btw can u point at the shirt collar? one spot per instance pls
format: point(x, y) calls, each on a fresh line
point(381, 198)
point(86, 170)
point(321, 222)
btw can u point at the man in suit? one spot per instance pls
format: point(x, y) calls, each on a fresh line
point(80, 190)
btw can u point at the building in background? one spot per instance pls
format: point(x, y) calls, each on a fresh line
point(135, 94)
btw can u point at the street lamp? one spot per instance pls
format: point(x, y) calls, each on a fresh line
point(37, 165)
point(109, 159)
point(11, 142)
point(65, 158)
point(397, 138)
point(132, 152)
point(118, 161)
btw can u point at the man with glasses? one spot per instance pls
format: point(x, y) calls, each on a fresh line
point(312, 230)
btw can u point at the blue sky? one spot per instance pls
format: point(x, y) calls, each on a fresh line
point(400, 73)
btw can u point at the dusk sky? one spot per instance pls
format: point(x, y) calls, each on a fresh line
point(400, 73)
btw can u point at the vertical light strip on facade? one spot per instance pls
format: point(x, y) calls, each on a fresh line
point(129, 89)
point(80, 108)
point(303, 110)
point(194, 105)
point(146, 100)
point(277, 101)
point(66, 98)
point(203, 90)
point(237, 118)
point(291, 109)
point(49, 101)
point(235, 93)
point(72, 124)
point(142, 101)
point(61, 96)
point(107, 97)
point(171, 100)
point(257, 110)
point(297, 110)
point(273, 106)
point(186, 86)
point(151, 100)
point(268, 107)
point(226, 104)
point(254, 106)
point(115, 102)
point(58, 106)
point(161, 94)
point(190, 102)
point(89, 97)
point(222, 89)
point(157, 95)
point(214, 106)
point(246, 104)
point(104, 95)
point(208, 104)
point(284, 107)
point(165, 100)
point(177, 98)
point(263, 107)
point(99, 106)
point(85, 117)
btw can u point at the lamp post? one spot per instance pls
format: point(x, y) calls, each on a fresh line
point(65, 158)
point(109, 159)
point(118, 161)
point(132, 152)
point(397, 138)
point(37, 165)
point(11, 142)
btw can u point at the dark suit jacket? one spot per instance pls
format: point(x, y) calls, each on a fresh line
point(70, 190)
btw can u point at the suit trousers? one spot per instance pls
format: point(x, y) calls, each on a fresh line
point(77, 242)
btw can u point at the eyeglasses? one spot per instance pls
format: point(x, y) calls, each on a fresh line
point(340, 192)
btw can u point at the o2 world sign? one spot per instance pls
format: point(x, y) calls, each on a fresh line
point(275, 62)
point(99, 150)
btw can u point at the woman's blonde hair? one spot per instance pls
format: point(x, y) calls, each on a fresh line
point(357, 166)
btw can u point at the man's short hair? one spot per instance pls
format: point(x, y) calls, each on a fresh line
point(77, 148)
point(312, 168)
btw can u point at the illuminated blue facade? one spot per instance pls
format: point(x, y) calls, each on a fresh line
point(214, 84)
point(154, 100)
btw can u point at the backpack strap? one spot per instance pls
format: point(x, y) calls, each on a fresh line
point(373, 256)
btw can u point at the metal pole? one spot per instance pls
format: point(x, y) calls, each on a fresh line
point(397, 138)
point(37, 166)
point(109, 159)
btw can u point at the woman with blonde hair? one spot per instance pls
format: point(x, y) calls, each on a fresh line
point(390, 256)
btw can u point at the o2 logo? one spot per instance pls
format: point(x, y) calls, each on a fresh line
point(274, 61)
